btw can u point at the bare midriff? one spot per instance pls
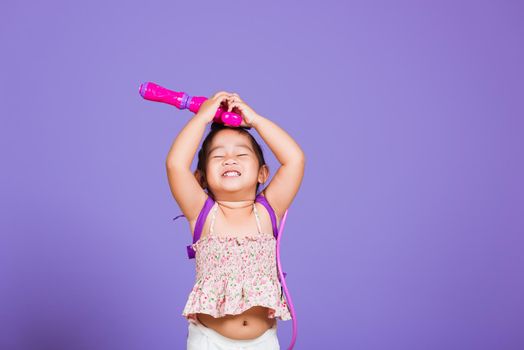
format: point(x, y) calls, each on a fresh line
point(250, 324)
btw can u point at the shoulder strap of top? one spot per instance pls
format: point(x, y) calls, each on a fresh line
point(259, 227)
point(261, 199)
point(200, 225)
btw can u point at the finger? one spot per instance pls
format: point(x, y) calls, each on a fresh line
point(222, 100)
point(221, 94)
point(235, 97)
point(234, 105)
point(230, 105)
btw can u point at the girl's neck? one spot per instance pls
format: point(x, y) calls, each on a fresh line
point(236, 208)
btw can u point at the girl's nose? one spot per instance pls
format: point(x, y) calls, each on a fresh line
point(230, 160)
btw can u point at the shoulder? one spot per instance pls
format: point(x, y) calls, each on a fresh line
point(200, 221)
point(262, 197)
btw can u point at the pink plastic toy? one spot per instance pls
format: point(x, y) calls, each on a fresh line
point(153, 92)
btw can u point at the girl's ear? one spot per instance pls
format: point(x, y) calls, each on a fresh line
point(263, 174)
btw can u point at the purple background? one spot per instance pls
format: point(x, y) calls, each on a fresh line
point(407, 232)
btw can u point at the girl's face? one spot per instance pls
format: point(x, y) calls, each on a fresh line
point(232, 151)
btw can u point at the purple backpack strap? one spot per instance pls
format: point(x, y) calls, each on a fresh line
point(200, 225)
point(261, 199)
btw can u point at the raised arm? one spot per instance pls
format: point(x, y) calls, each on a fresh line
point(284, 185)
point(183, 184)
point(188, 193)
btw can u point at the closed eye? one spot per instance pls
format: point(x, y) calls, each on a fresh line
point(245, 154)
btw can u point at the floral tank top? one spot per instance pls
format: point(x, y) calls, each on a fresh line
point(234, 274)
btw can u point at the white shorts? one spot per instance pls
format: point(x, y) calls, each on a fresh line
point(200, 337)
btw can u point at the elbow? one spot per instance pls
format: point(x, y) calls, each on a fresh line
point(172, 166)
point(169, 164)
point(301, 157)
point(172, 162)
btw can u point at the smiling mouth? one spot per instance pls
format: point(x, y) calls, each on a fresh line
point(231, 174)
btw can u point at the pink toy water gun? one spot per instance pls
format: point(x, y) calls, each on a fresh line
point(153, 92)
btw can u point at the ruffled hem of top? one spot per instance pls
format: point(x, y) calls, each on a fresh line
point(272, 312)
point(234, 299)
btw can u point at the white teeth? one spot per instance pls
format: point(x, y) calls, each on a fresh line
point(231, 173)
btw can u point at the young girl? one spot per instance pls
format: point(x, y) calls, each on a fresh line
point(237, 297)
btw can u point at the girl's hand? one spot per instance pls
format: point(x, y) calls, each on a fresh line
point(238, 106)
point(209, 107)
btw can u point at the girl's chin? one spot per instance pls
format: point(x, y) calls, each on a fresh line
point(230, 178)
point(230, 182)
